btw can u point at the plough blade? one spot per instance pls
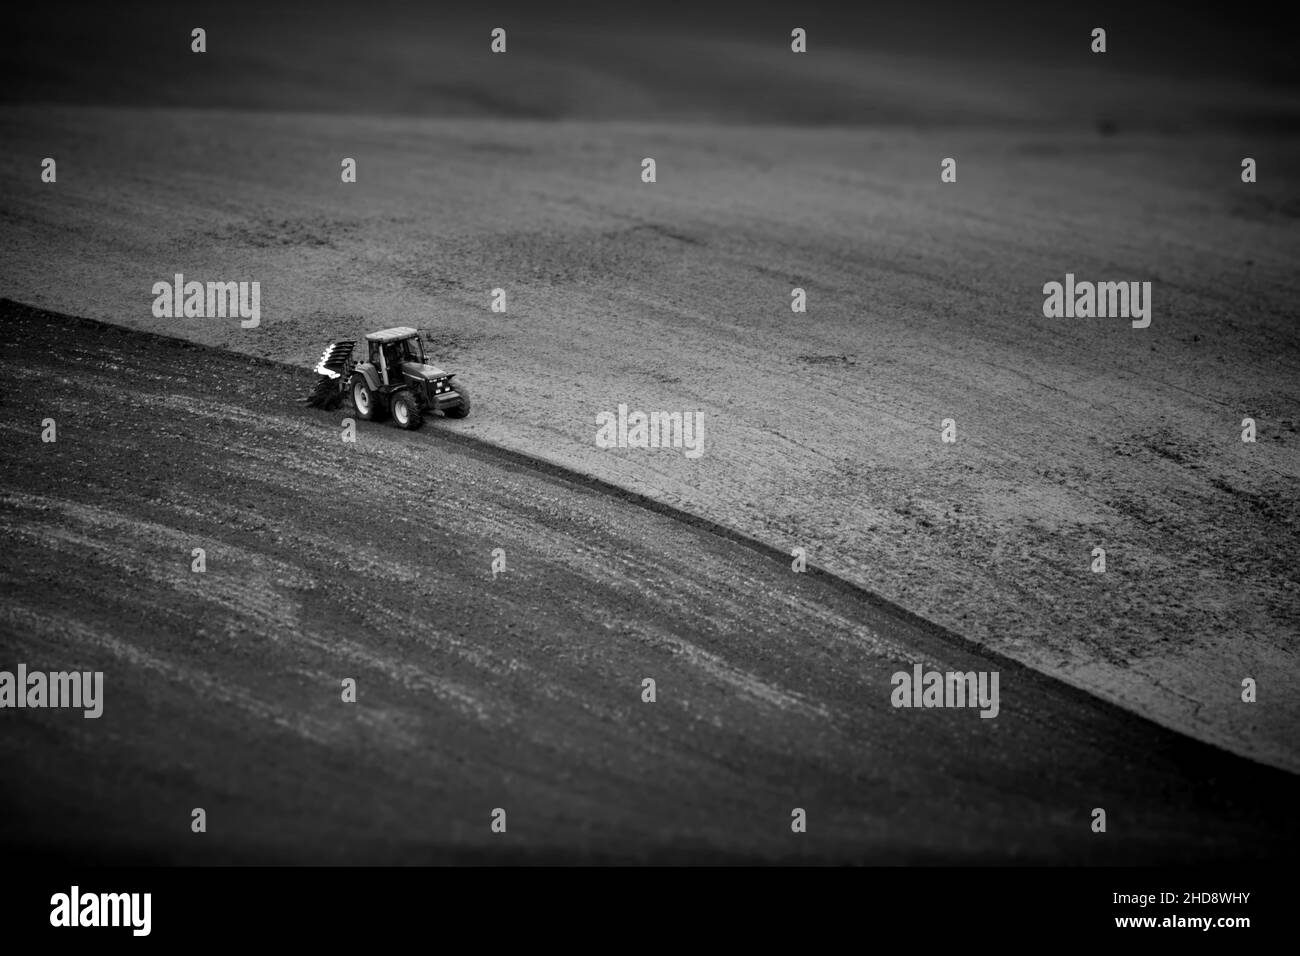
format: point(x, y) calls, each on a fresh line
point(334, 358)
point(332, 369)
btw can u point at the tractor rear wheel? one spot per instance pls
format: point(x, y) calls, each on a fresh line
point(364, 399)
point(461, 410)
point(406, 411)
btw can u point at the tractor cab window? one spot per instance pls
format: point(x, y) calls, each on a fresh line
point(393, 354)
point(412, 350)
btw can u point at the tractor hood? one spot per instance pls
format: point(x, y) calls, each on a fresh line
point(426, 372)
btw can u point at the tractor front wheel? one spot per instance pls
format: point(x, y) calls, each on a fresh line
point(363, 398)
point(406, 411)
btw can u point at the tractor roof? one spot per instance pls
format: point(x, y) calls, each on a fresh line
point(391, 335)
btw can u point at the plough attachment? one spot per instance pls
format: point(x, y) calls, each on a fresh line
point(333, 368)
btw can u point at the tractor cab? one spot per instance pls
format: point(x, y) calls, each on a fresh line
point(388, 349)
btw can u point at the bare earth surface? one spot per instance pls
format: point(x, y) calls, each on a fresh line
point(823, 429)
point(371, 560)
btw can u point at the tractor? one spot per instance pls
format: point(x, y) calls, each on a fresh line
point(393, 378)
